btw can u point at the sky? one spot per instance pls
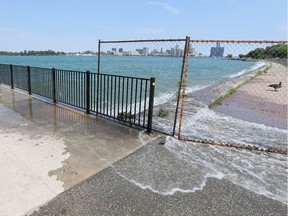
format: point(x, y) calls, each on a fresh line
point(77, 25)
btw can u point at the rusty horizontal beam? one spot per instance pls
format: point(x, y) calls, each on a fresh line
point(238, 41)
point(138, 41)
point(247, 147)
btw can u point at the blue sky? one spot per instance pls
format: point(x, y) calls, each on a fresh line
point(76, 25)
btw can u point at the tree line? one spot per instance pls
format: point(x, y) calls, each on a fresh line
point(33, 53)
point(275, 51)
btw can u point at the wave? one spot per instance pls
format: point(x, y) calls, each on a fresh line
point(195, 164)
point(257, 66)
point(206, 124)
point(262, 173)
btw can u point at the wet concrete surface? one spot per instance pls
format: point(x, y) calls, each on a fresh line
point(88, 144)
point(114, 191)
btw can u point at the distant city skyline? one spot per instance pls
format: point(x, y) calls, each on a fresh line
point(73, 25)
point(217, 51)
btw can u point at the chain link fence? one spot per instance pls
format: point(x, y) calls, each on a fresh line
point(161, 59)
point(235, 93)
point(231, 93)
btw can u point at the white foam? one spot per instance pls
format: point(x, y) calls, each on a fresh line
point(264, 174)
point(207, 124)
point(258, 65)
point(173, 190)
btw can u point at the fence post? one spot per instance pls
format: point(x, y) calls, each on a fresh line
point(151, 103)
point(98, 77)
point(53, 85)
point(186, 50)
point(29, 79)
point(11, 76)
point(87, 92)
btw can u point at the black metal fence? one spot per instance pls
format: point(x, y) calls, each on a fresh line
point(123, 98)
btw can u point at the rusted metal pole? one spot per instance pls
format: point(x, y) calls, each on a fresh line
point(184, 87)
point(180, 84)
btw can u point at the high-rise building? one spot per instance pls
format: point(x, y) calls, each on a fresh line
point(217, 51)
point(192, 52)
point(145, 50)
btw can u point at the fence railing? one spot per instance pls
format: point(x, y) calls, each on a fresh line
point(221, 92)
point(123, 98)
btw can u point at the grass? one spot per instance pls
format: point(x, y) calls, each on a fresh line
point(163, 113)
point(220, 100)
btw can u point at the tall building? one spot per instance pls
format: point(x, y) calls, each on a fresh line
point(192, 52)
point(145, 50)
point(217, 51)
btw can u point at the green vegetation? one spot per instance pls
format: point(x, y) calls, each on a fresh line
point(220, 100)
point(229, 56)
point(33, 53)
point(275, 51)
point(163, 113)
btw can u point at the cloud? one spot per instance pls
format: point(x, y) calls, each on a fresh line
point(166, 6)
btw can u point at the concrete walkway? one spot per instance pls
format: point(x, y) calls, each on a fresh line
point(47, 149)
point(154, 181)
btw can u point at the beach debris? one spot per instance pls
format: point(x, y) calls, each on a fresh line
point(110, 205)
point(23, 125)
point(276, 86)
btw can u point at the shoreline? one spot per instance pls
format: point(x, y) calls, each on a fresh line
point(253, 101)
point(203, 98)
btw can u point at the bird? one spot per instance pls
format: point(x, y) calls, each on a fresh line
point(276, 86)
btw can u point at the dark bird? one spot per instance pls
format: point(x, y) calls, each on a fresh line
point(276, 86)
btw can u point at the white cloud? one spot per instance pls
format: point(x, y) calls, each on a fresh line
point(166, 6)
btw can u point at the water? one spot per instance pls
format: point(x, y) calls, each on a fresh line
point(264, 174)
point(166, 70)
point(184, 167)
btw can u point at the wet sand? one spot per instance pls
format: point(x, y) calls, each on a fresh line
point(256, 102)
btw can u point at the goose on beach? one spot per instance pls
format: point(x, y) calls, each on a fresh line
point(276, 86)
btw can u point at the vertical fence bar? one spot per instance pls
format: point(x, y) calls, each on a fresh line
point(180, 84)
point(11, 76)
point(98, 77)
point(151, 102)
point(53, 85)
point(87, 92)
point(29, 79)
point(145, 101)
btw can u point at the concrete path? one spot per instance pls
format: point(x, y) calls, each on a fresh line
point(258, 103)
point(47, 149)
point(155, 181)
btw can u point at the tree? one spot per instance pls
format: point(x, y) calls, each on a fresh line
point(274, 51)
point(229, 56)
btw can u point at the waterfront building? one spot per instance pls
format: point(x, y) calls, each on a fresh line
point(217, 51)
point(192, 52)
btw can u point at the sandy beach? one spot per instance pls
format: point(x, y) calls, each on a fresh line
point(256, 102)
